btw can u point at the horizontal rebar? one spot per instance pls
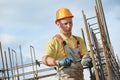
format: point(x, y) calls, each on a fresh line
point(91, 18)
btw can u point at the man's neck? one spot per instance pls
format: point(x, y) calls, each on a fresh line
point(67, 34)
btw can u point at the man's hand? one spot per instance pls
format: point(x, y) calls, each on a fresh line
point(88, 62)
point(66, 62)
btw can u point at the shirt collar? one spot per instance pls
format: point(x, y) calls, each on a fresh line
point(64, 37)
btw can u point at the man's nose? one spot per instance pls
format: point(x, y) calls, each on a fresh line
point(69, 24)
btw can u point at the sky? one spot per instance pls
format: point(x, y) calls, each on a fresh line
point(31, 22)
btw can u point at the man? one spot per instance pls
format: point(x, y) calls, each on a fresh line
point(65, 51)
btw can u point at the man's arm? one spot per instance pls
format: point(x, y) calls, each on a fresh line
point(49, 61)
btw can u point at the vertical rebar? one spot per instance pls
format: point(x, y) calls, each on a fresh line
point(33, 49)
point(83, 37)
point(104, 28)
point(103, 21)
point(118, 60)
point(90, 44)
point(118, 66)
point(16, 64)
point(7, 65)
point(13, 65)
point(3, 70)
point(86, 46)
point(22, 61)
point(98, 55)
point(32, 61)
point(103, 44)
point(10, 62)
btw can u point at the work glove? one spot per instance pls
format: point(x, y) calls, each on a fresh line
point(66, 62)
point(88, 62)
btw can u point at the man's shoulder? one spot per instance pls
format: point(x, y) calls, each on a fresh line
point(53, 39)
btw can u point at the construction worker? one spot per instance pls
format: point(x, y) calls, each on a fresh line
point(66, 51)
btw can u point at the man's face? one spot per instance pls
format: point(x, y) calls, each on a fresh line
point(65, 25)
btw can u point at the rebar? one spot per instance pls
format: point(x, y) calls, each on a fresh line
point(2, 59)
point(21, 61)
point(105, 64)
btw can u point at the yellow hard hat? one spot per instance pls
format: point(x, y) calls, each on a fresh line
point(63, 13)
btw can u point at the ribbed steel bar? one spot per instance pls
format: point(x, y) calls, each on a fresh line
point(103, 45)
point(3, 71)
point(98, 55)
point(9, 51)
point(102, 18)
point(44, 76)
point(21, 61)
point(14, 52)
point(83, 36)
point(34, 58)
point(90, 45)
point(13, 64)
point(6, 65)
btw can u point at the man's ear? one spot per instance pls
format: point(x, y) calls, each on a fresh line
point(58, 24)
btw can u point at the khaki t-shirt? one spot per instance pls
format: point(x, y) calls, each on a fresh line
point(55, 48)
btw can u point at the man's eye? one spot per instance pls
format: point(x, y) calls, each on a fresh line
point(70, 22)
point(65, 23)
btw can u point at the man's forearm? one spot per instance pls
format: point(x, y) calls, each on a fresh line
point(49, 61)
